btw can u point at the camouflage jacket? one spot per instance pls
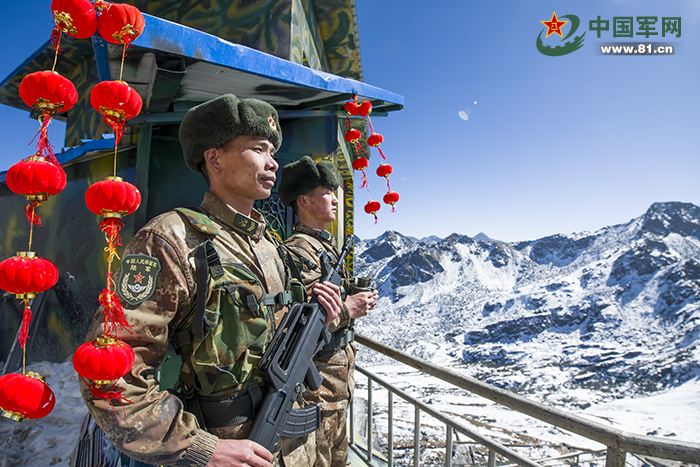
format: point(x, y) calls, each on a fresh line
point(152, 427)
point(337, 370)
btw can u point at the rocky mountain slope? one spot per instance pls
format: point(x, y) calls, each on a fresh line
point(616, 311)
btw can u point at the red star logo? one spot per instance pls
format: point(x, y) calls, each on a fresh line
point(554, 25)
point(138, 278)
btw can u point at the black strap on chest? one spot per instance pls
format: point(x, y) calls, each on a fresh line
point(206, 261)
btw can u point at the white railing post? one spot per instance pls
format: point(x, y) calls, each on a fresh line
point(369, 421)
point(416, 439)
point(390, 441)
point(448, 446)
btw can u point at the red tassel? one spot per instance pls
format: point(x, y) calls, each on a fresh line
point(56, 40)
point(109, 395)
point(111, 227)
point(114, 319)
point(32, 217)
point(26, 319)
point(118, 126)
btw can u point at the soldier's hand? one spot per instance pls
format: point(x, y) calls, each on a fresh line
point(329, 297)
point(240, 453)
point(361, 303)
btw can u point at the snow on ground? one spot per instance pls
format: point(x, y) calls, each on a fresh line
point(672, 415)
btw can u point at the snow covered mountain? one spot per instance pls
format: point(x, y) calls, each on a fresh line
point(616, 311)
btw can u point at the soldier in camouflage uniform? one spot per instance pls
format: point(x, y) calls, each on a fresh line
point(232, 143)
point(309, 188)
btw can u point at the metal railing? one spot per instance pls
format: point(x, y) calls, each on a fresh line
point(618, 442)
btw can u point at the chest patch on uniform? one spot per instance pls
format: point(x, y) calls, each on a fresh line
point(137, 281)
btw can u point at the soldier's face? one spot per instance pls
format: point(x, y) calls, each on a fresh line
point(321, 205)
point(248, 167)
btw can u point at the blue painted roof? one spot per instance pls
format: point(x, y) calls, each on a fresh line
point(166, 36)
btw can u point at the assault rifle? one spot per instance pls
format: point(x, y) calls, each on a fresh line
point(287, 363)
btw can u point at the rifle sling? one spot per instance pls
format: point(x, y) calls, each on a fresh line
point(206, 259)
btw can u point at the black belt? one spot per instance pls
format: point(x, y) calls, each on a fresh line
point(231, 410)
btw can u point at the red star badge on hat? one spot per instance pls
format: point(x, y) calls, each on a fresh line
point(554, 25)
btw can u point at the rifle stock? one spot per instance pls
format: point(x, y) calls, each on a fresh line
point(288, 362)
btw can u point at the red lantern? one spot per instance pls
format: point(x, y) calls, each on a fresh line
point(25, 396)
point(375, 139)
point(361, 163)
point(117, 102)
point(103, 359)
point(351, 108)
point(384, 170)
point(353, 135)
point(391, 198)
point(112, 198)
point(35, 178)
point(365, 108)
point(120, 23)
point(26, 275)
point(372, 207)
point(76, 18)
point(48, 92)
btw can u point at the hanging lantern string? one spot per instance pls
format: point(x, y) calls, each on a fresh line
point(114, 319)
point(56, 43)
point(31, 229)
point(121, 69)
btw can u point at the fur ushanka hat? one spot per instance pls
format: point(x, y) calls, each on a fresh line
point(213, 123)
point(303, 176)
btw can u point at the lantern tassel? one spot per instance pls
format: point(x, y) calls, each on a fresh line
point(109, 395)
point(114, 319)
point(44, 147)
point(32, 217)
point(364, 179)
point(26, 319)
point(382, 153)
point(118, 126)
point(111, 228)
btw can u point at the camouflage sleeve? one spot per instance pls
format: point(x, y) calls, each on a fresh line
point(152, 426)
point(304, 253)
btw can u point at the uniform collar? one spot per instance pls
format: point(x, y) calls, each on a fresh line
point(321, 235)
point(253, 226)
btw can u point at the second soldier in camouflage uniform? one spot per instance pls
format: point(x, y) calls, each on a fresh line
point(232, 143)
point(309, 187)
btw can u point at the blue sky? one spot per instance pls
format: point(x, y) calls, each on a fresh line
point(551, 144)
